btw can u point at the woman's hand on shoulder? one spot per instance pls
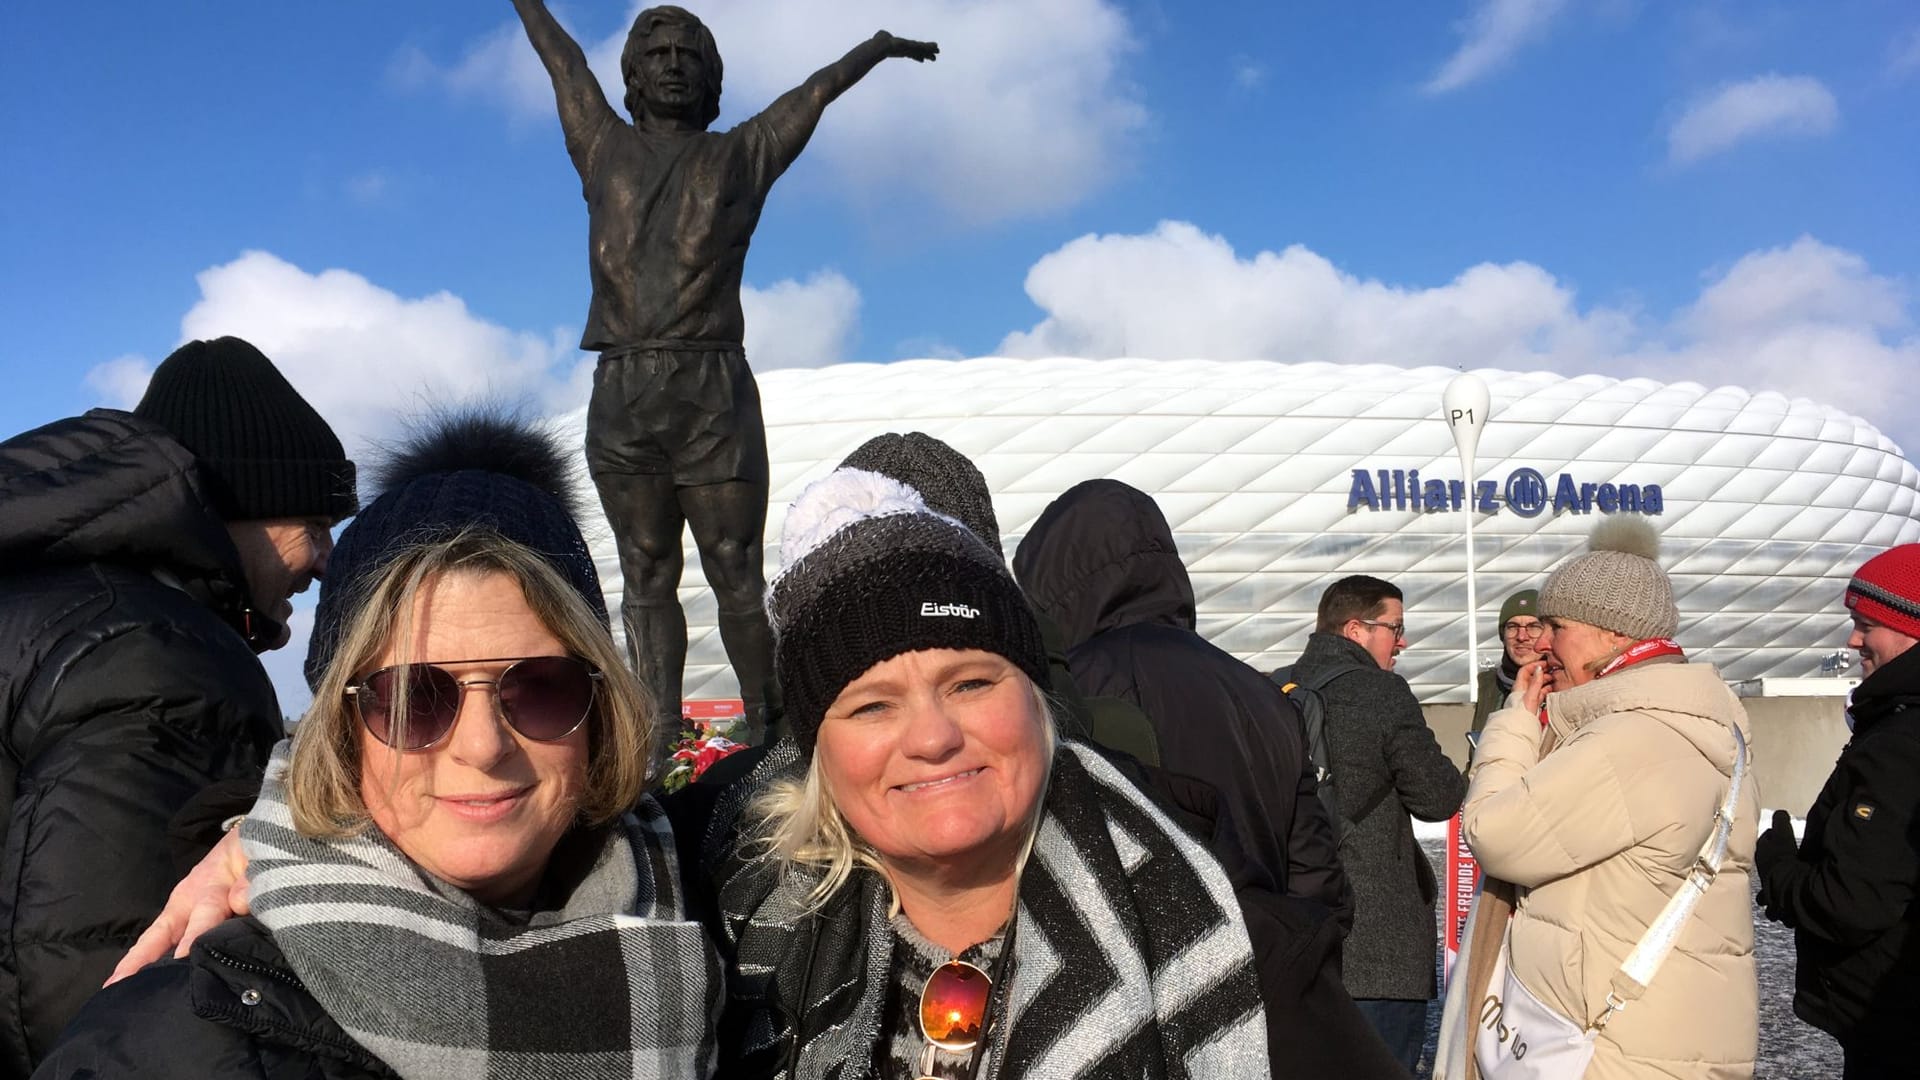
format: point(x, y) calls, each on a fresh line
point(211, 893)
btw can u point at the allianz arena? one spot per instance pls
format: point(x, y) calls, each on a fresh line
point(1278, 478)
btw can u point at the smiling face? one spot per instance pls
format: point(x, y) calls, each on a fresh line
point(1876, 644)
point(1573, 650)
point(1521, 637)
point(483, 807)
point(936, 757)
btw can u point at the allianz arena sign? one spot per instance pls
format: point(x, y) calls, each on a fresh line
point(1527, 492)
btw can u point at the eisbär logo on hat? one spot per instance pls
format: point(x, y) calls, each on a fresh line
point(1887, 590)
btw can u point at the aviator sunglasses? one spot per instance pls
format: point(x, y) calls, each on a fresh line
point(544, 698)
point(953, 1008)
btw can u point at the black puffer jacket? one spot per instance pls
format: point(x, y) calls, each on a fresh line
point(126, 687)
point(1852, 894)
point(1101, 563)
point(1389, 765)
point(232, 1010)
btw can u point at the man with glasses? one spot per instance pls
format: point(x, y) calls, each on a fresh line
point(1520, 628)
point(1387, 765)
point(1851, 890)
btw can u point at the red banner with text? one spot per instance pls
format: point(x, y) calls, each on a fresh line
point(1462, 884)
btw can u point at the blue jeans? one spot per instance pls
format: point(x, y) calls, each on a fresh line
point(1402, 1025)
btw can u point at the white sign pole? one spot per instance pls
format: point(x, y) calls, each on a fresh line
point(1465, 404)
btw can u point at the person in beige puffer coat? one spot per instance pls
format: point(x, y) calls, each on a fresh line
point(1599, 815)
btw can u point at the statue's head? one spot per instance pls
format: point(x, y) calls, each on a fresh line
point(647, 58)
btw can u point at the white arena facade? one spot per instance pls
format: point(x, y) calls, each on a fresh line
point(1279, 478)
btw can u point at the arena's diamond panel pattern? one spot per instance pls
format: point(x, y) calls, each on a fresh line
point(1770, 502)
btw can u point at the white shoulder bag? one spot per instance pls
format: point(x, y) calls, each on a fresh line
point(1518, 1037)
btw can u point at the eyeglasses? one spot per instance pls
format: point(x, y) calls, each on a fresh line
point(953, 1009)
point(1523, 630)
point(544, 698)
point(1399, 628)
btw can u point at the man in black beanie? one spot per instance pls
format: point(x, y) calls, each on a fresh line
point(147, 557)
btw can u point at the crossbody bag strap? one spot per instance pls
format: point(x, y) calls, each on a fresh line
point(1637, 970)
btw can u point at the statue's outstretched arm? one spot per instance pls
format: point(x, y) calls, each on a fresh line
point(583, 106)
point(798, 110)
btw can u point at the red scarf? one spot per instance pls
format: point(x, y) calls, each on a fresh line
point(1643, 650)
point(1640, 650)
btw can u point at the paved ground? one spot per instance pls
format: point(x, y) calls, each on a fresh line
point(1789, 1049)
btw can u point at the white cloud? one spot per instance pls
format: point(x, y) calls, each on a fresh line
point(370, 188)
point(120, 381)
point(807, 323)
point(366, 356)
point(1903, 56)
point(1494, 32)
point(1767, 105)
point(502, 70)
point(1248, 75)
point(1025, 110)
point(1179, 292)
point(1806, 282)
point(1806, 319)
point(1809, 320)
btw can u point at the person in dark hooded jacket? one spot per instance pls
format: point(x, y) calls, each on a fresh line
point(1851, 892)
point(147, 557)
point(1101, 563)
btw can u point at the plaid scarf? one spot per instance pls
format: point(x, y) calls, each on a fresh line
point(1131, 958)
point(614, 981)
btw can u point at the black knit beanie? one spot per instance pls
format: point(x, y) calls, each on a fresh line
point(869, 572)
point(950, 483)
point(477, 468)
point(262, 450)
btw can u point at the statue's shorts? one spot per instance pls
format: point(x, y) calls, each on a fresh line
point(685, 409)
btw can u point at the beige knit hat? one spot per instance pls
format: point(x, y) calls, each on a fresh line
point(1617, 585)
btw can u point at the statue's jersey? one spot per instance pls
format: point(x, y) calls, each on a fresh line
point(669, 220)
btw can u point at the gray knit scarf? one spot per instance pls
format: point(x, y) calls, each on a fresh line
point(612, 980)
point(1130, 959)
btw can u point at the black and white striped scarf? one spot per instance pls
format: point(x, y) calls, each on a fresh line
point(1131, 958)
point(614, 981)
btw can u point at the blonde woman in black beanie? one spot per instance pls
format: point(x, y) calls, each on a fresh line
point(1592, 803)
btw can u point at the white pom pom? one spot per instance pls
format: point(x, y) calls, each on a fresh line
point(836, 501)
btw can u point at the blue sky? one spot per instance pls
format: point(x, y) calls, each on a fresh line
point(376, 193)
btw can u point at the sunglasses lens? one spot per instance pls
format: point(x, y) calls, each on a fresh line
point(546, 697)
point(953, 1005)
point(432, 703)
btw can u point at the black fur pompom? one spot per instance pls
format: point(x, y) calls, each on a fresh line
point(489, 438)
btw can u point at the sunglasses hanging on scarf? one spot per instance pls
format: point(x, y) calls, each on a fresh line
point(956, 1005)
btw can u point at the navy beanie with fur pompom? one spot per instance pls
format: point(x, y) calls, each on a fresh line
point(471, 468)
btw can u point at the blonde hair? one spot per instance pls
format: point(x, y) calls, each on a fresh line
point(323, 776)
point(804, 829)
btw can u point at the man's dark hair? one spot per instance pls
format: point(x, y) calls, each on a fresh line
point(1355, 597)
point(644, 25)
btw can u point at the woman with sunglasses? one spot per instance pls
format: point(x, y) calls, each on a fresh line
point(453, 872)
point(925, 881)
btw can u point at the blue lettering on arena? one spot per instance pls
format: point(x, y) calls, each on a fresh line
point(1527, 492)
